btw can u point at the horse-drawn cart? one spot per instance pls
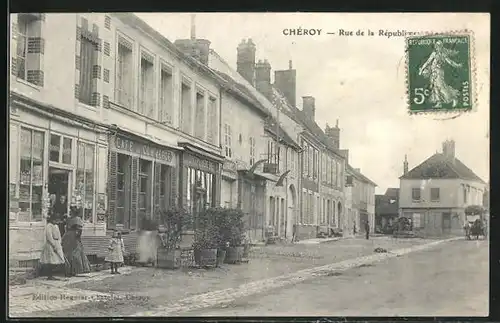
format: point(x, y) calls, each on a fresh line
point(475, 222)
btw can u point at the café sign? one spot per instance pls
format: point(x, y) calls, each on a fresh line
point(142, 149)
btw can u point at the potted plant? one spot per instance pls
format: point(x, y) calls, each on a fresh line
point(206, 239)
point(231, 226)
point(170, 232)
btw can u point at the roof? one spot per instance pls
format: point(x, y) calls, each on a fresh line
point(360, 176)
point(392, 192)
point(439, 166)
point(310, 125)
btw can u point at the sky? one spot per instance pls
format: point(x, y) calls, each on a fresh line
point(359, 80)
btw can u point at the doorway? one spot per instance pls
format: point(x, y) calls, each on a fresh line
point(446, 222)
point(58, 189)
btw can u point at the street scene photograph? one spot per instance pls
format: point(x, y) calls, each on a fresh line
point(248, 164)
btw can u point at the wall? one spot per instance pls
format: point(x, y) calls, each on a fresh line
point(451, 194)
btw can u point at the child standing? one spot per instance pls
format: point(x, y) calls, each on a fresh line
point(116, 250)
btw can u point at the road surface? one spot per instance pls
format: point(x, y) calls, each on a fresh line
point(450, 280)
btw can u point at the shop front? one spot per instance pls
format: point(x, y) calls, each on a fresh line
point(251, 199)
point(54, 160)
point(200, 175)
point(142, 180)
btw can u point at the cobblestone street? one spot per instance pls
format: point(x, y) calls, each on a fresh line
point(148, 291)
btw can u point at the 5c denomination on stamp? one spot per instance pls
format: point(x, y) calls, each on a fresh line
point(440, 72)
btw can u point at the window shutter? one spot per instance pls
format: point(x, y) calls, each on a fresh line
point(156, 194)
point(132, 222)
point(174, 187)
point(112, 187)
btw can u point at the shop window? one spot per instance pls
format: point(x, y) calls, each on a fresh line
point(31, 177)
point(85, 175)
point(60, 149)
point(199, 190)
point(164, 175)
point(144, 187)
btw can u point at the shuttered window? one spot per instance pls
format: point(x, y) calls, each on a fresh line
point(87, 53)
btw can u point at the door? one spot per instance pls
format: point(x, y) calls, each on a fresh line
point(363, 218)
point(59, 193)
point(446, 222)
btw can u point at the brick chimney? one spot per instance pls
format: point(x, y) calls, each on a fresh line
point(196, 48)
point(263, 78)
point(309, 106)
point(285, 81)
point(405, 166)
point(245, 62)
point(449, 149)
point(333, 133)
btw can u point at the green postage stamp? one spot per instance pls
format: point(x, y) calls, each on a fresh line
point(440, 72)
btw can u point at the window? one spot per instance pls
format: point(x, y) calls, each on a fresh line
point(88, 58)
point(144, 188)
point(57, 146)
point(187, 127)
point(315, 157)
point(227, 140)
point(213, 123)
point(27, 28)
point(164, 193)
point(310, 162)
point(146, 94)
point(292, 160)
point(304, 208)
point(124, 74)
point(31, 181)
point(166, 110)
point(85, 178)
point(465, 194)
point(122, 171)
point(200, 116)
point(435, 194)
point(415, 194)
point(252, 150)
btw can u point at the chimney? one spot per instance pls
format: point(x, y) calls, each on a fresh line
point(196, 48)
point(345, 153)
point(245, 62)
point(285, 81)
point(309, 106)
point(263, 78)
point(405, 166)
point(449, 149)
point(333, 133)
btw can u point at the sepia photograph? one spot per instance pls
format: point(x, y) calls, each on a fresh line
point(248, 164)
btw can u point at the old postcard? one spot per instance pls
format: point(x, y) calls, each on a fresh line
point(249, 164)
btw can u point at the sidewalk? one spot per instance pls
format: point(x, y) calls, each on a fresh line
point(149, 288)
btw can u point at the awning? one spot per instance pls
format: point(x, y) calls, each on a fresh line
point(149, 138)
point(202, 152)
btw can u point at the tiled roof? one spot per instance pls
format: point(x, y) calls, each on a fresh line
point(442, 167)
point(392, 192)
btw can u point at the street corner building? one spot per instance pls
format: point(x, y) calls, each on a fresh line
point(433, 196)
point(106, 111)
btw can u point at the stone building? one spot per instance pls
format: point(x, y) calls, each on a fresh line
point(434, 194)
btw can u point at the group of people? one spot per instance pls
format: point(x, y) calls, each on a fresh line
point(63, 248)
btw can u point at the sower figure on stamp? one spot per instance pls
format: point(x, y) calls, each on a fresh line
point(433, 68)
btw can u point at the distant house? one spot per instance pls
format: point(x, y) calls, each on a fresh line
point(434, 194)
point(386, 208)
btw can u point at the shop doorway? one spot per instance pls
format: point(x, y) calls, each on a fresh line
point(58, 189)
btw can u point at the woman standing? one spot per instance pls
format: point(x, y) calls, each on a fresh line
point(73, 249)
point(60, 212)
point(52, 253)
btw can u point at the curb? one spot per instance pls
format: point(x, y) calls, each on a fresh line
point(226, 296)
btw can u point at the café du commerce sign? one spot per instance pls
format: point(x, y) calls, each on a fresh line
point(142, 149)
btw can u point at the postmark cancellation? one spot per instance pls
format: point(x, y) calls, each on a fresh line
point(440, 72)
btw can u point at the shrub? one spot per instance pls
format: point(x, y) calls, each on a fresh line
point(175, 221)
point(231, 226)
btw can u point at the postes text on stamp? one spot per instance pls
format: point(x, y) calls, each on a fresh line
point(439, 73)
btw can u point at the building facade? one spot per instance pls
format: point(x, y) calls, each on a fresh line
point(107, 112)
point(360, 196)
point(434, 194)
